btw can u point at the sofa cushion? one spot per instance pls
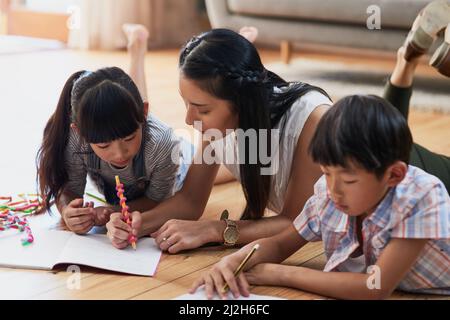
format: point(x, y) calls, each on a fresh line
point(394, 13)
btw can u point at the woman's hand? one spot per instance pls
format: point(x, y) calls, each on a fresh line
point(178, 235)
point(79, 218)
point(221, 273)
point(119, 232)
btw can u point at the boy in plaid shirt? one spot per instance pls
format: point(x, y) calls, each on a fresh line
point(372, 210)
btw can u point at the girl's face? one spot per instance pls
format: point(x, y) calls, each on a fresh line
point(213, 113)
point(119, 152)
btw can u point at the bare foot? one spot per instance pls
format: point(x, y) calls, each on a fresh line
point(137, 36)
point(250, 33)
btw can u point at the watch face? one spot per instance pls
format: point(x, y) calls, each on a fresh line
point(231, 235)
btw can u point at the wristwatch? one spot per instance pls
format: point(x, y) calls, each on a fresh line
point(231, 232)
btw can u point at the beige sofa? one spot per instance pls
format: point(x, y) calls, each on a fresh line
point(338, 23)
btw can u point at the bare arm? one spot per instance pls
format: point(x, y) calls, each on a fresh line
point(347, 285)
point(184, 235)
point(189, 203)
point(141, 204)
point(273, 249)
point(224, 176)
point(64, 199)
point(304, 174)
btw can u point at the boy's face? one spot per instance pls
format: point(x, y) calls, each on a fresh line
point(355, 191)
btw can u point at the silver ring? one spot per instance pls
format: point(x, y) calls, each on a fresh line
point(164, 239)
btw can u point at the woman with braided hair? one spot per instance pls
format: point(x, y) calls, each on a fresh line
point(228, 91)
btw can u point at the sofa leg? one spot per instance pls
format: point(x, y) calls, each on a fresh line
point(286, 51)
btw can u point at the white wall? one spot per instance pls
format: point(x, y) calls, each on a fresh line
point(50, 5)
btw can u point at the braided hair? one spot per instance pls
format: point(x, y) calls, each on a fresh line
point(226, 65)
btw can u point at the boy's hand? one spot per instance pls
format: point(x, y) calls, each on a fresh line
point(119, 232)
point(221, 273)
point(102, 215)
point(78, 218)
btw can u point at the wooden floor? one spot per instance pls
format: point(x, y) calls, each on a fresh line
point(30, 84)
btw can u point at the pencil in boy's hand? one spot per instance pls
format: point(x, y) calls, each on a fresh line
point(125, 214)
point(242, 265)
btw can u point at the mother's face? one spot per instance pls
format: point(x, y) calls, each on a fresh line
point(201, 106)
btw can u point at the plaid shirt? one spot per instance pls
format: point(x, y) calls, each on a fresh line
point(417, 208)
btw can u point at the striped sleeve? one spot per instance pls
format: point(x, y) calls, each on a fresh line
point(162, 156)
point(75, 166)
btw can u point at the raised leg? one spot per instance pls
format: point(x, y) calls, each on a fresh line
point(137, 48)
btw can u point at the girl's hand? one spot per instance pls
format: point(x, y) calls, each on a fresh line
point(221, 273)
point(264, 274)
point(101, 213)
point(78, 218)
point(119, 231)
point(178, 235)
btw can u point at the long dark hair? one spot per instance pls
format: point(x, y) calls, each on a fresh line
point(105, 105)
point(228, 66)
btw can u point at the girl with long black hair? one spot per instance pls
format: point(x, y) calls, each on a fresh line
point(101, 128)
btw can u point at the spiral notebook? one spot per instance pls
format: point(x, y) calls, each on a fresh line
point(53, 247)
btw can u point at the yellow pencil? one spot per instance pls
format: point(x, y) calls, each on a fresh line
point(242, 265)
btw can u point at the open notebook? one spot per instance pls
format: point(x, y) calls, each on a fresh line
point(52, 247)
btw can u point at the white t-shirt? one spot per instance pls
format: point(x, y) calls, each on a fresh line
point(290, 126)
